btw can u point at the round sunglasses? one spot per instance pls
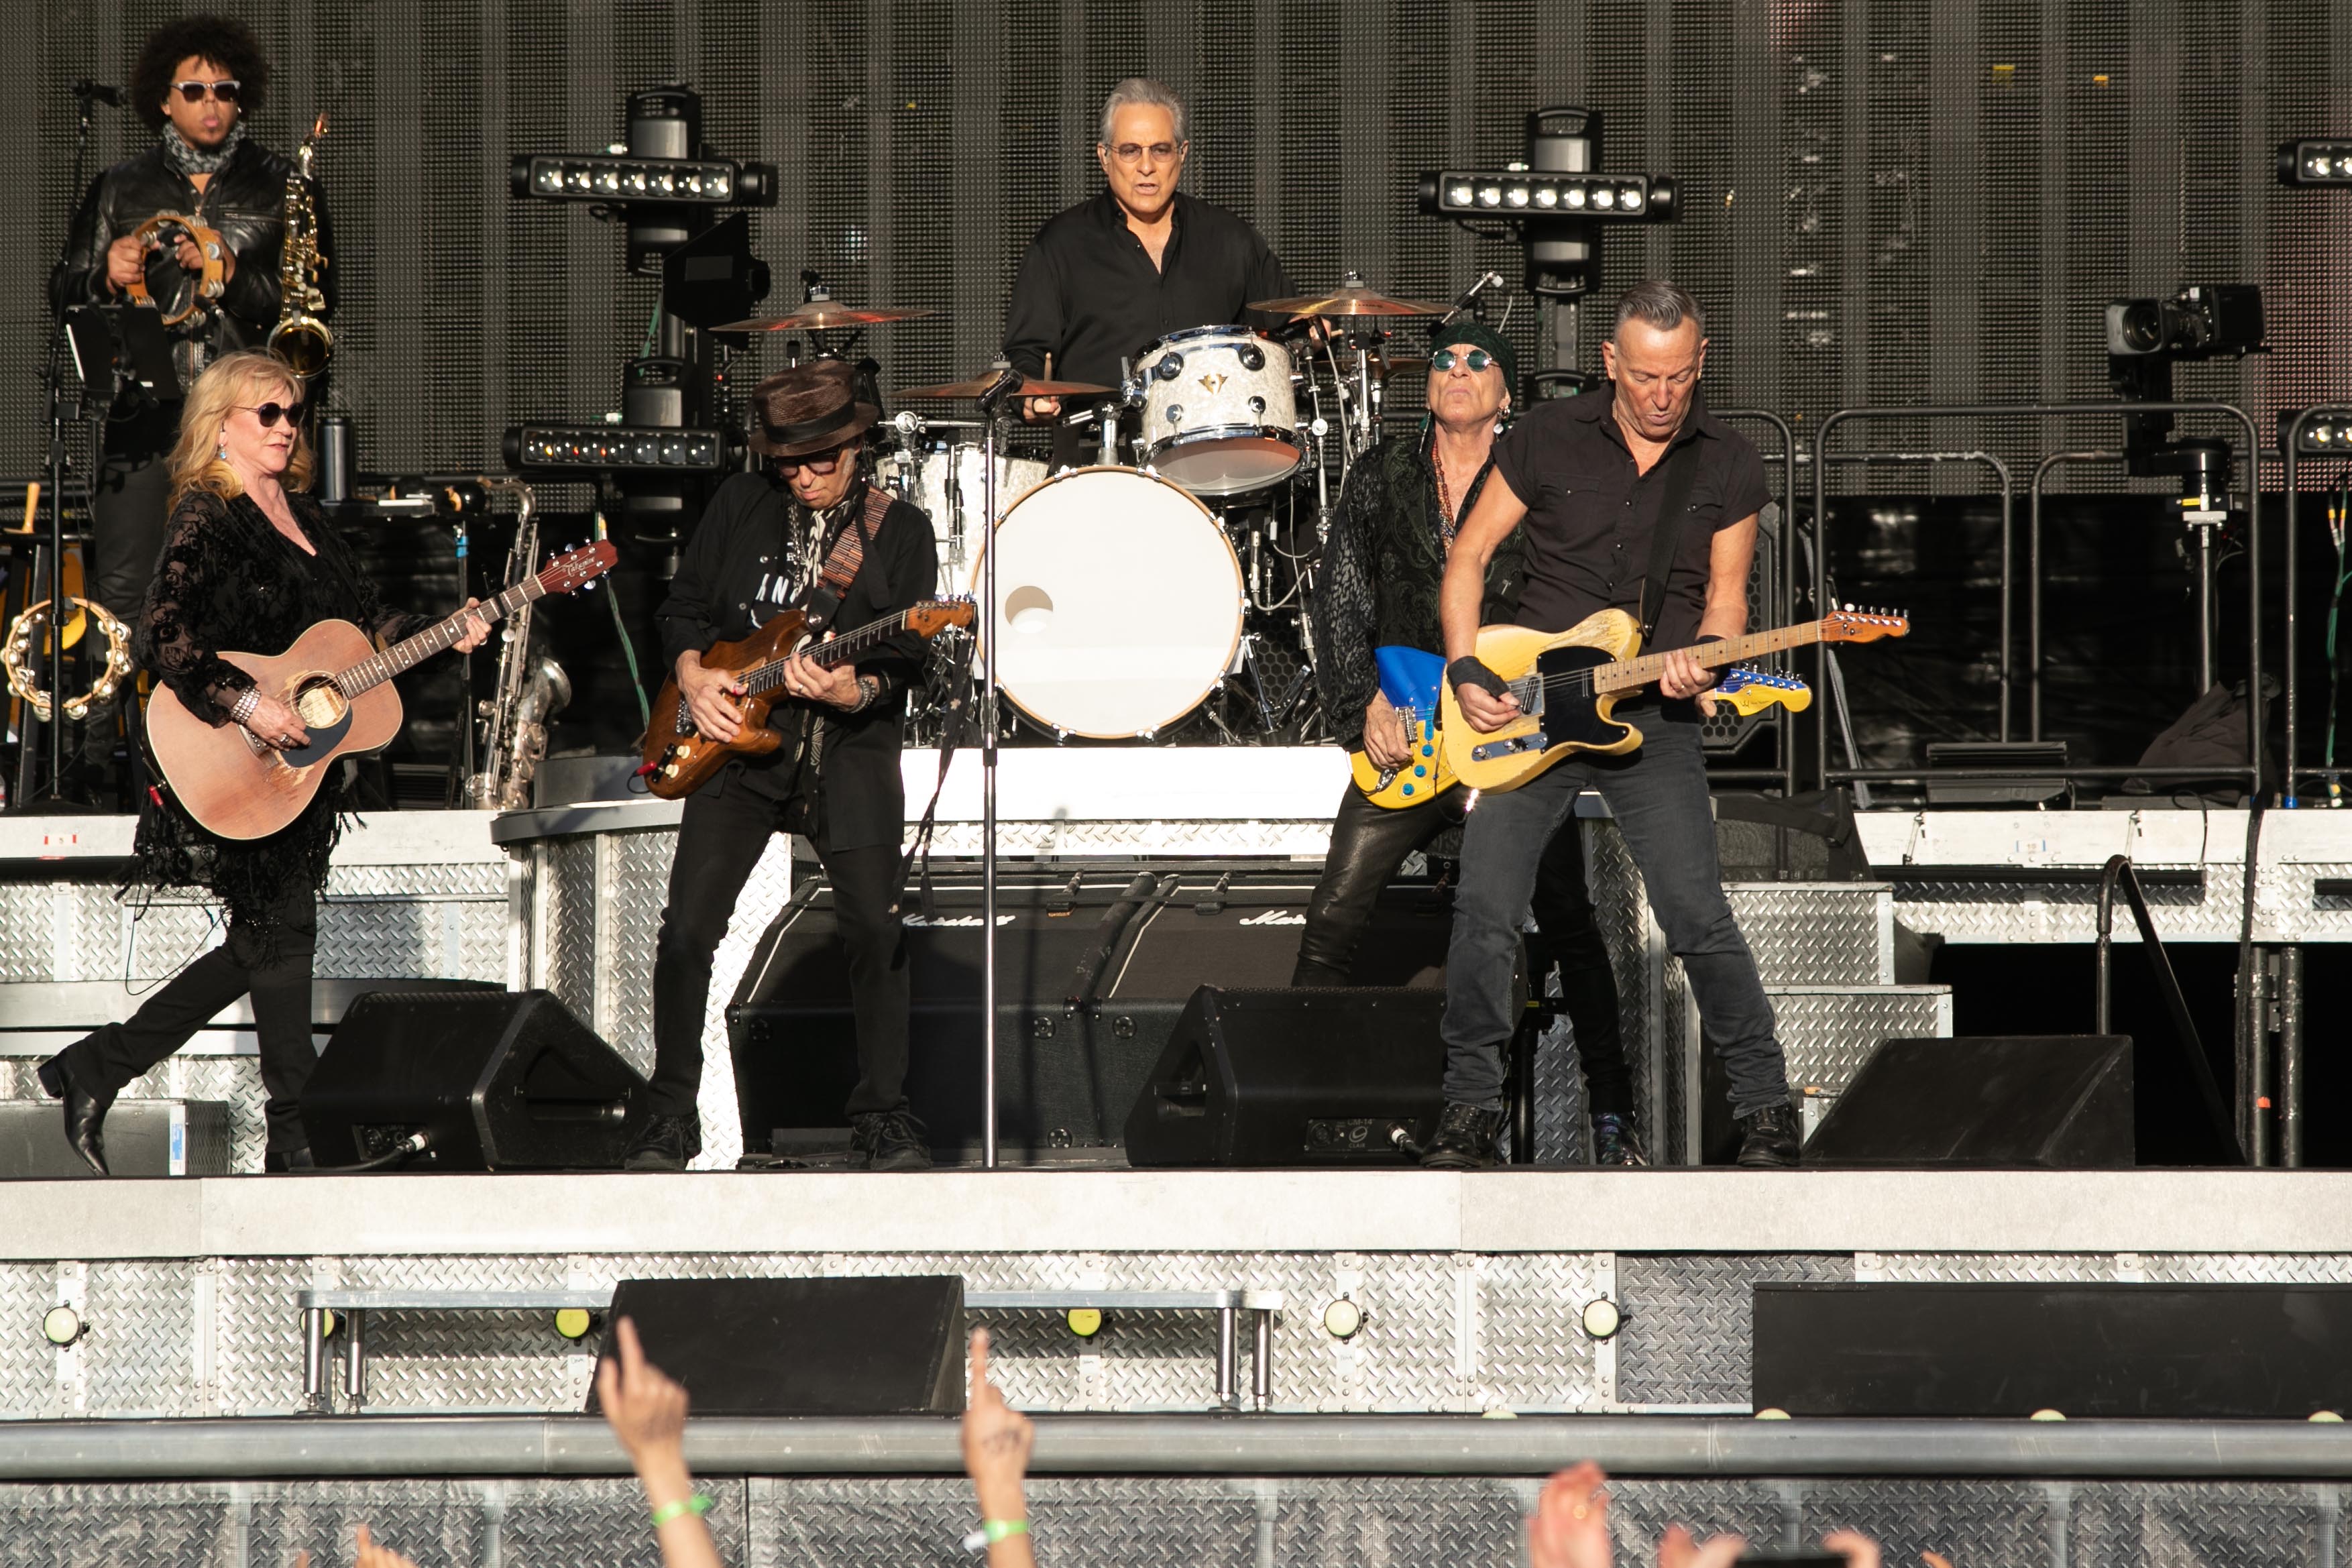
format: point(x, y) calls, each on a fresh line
point(1445, 360)
point(270, 413)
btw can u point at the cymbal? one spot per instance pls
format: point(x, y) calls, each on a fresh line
point(825, 316)
point(1349, 301)
point(1398, 365)
point(979, 384)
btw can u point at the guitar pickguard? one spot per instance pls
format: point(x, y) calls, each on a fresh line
point(1571, 715)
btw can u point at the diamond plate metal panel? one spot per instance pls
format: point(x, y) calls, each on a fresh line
point(27, 1364)
point(454, 1522)
point(2246, 1525)
point(633, 902)
point(1272, 838)
point(567, 884)
point(27, 935)
point(1621, 910)
point(2053, 1268)
point(440, 880)
point(413, 940)
point(1534, 1352)
point(257, 1347)
point(1989, 1523)
point(1828, 1033)
point(155, 1524)
point(2012, 912)
point(236, 1081)
point(1687, 1321)
point(138, 1352)
point(465, 1360)
point(2284, 902)
point(568, 1522)
point(764, 895)
point(166, 934)
point(2247, 1268)
point(1818, 933)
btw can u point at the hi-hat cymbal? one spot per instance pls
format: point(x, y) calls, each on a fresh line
point(979, 384)
point(1349, 301)
point(825, 316)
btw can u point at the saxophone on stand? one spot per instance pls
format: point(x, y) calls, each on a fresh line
point(301, 338)
point(530, 691)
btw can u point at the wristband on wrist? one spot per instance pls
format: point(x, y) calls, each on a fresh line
point(242, 709)
point(993, 1530)
point(678, 1508)
point(1468, 670)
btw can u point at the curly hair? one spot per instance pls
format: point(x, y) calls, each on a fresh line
point(239, 380)
point(223, 40)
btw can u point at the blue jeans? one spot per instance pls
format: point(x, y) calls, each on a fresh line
point(1658, 795)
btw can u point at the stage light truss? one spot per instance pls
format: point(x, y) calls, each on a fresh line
point(615, 178)
point(1519, 194)
point(614, 449)
point(2315, 161)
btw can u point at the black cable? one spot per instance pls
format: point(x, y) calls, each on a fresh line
point(414, 1144)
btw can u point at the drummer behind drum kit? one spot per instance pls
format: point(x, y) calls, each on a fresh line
point(1122, 601)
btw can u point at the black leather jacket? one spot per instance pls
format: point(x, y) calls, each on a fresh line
point(245, 202)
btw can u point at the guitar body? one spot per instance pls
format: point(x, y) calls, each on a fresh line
point(680, 758)
point(1565, 725)
point(1410, 678)
point(236, 788)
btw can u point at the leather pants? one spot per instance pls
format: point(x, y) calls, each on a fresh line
point(1369, 843)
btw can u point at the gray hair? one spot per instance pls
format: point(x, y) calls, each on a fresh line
point(1654, 303)
point(1142, 90)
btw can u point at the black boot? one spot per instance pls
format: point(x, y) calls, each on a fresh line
point(1464, 1140)
point(284, 1162)
point(85, 1112)
point(891, 1140)
point(1767, 1139)
point(667, 1144)
point(1616, 1141)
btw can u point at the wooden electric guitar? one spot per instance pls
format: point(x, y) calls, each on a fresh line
point(1568, 683)
point(236, 787)
point(679, 758)
point(1410, 678)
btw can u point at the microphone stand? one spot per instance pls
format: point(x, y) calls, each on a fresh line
point(992, 402)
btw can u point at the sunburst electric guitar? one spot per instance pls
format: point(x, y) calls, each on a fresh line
point(1568, 683)
point(1410, 678)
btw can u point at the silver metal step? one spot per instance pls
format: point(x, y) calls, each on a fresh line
point(1818, 933)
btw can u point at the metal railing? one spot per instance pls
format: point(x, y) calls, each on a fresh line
point(2287, 441)
point(2119, 873)
point(1784, 728)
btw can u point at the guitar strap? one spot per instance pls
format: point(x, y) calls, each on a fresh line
point(844, 561)
point(1682, 471)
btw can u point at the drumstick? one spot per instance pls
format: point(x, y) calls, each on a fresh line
point(32, 505)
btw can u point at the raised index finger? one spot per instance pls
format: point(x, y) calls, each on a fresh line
point(980, 1385)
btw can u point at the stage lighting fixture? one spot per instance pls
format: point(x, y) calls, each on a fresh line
point(2329, 436)
point(661, 182)
point(1449, 194)
point(2315, 161)
point(2203, 320)
point(614, 449)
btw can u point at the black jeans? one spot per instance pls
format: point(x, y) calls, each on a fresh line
point(1658, 796)
point(131, 508)
point(1370, 842)
point(719, 840)
point(244, 964)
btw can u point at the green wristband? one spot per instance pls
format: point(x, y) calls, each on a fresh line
point(997, 1529)
point(678, 1507)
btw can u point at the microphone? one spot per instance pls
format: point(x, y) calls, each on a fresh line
point(908, 422)
point(1008, 381)
point(1489, 280)
point(88, 89)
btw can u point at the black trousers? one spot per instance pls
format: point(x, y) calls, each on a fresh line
point(719, 841)
point(280, 983)
point(1370, 842)
point(130, 509)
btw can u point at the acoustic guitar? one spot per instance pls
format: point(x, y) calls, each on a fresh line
point(238, 787)
point(679, 758)
point(1568, 683)
point(1410, 677)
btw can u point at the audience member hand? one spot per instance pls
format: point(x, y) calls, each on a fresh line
point(644, 1408)
point(1677, 1550)
point(1859, 1550)
point(371, 1555)
point(1386, 742)
point(996, 1441)
point(1570, 1528)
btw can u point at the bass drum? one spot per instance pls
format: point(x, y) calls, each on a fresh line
point(1119, 604)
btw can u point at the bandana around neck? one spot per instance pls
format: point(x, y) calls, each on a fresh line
point(190, 160)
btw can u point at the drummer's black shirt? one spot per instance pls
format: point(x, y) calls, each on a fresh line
point(1088, 294)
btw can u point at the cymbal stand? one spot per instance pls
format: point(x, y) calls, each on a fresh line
point(991, 405)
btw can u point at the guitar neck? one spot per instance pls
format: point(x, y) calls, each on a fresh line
point(1627, 674)
point(759, 677)
point(377, 668)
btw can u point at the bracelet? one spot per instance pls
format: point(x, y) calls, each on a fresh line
point(678, 1507)
point(242, 709)
point(993, 1530)
point(869, 687)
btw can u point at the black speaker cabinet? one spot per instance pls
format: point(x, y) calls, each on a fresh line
point(497, 1080)
point(2057, 1102)
point(1094, 963)
point(1293, 1077)
point(801, 1347)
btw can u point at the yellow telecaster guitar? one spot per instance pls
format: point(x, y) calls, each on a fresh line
point(1569, 682)
point(1410, 678)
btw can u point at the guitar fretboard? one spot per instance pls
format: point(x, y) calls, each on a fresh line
point(377, 668)
point(759, 677)
point(1626, 674)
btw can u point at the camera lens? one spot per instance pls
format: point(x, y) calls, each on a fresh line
point(2144, 325)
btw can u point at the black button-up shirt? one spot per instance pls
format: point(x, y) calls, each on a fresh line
point(1591, 513)
point(1088, 294)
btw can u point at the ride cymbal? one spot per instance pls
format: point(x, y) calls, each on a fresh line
point(1349, 301)
point(825, 316)
point(979, 384)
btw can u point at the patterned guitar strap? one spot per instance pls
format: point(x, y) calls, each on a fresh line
point(842, 564)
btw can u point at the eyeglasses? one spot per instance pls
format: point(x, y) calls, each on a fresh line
point(1133, 151)
point(270, 413)
point(1446, 358)
point(197, 91)
point(823, 462)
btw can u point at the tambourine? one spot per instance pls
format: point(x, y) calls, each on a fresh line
point(16, 656)
point(208, 240)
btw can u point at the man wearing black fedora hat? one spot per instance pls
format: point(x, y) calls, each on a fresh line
point(804, 531)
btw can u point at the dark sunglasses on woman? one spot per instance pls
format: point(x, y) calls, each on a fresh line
point(270, 413)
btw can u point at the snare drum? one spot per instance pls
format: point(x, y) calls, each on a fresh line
point(1118, 603)
point(949, 484)
point(1220, 416)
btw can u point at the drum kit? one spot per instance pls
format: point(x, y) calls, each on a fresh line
point(1132, 595)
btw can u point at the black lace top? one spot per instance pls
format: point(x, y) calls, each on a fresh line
point(228, 580)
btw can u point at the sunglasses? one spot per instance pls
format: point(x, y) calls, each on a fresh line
point(270, 413)
point(823, 462)
point(197, 91)
point(1446, 358)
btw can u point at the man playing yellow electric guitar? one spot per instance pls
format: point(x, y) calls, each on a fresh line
point(1634, 498)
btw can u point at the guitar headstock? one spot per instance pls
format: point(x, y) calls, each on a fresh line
point(1747, 690)
point(933, 617)
point(577, 567)
point(1852, 624)
point(1739, 678)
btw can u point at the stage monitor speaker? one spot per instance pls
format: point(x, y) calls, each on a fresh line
point(1293, 1077)
point(866, 1346)
point(1976, 1349)
point(2056, 1101)
point(495, 1080)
